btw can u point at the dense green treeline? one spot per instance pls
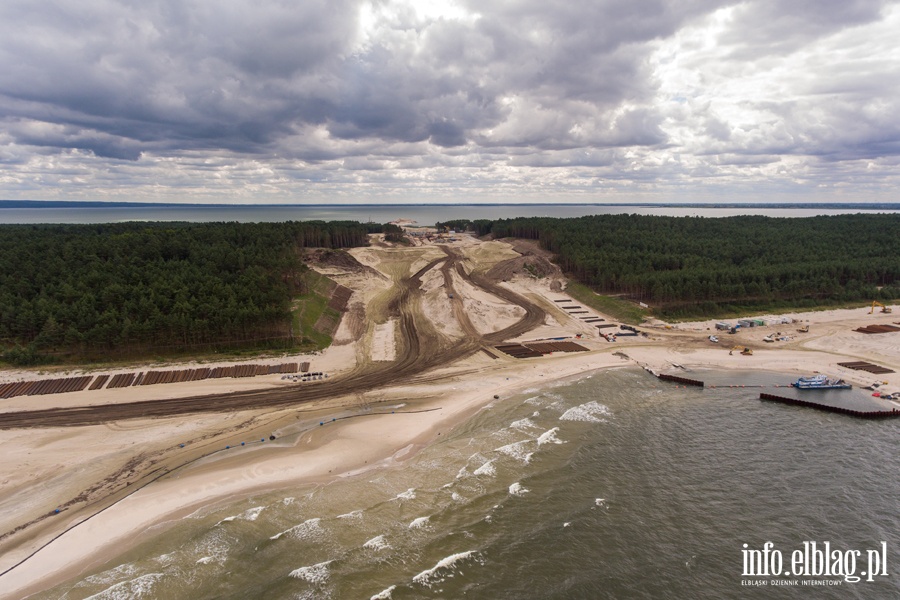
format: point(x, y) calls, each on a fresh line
point(689, 265)
point(87, 288)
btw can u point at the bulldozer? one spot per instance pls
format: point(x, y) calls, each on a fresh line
point(804, 329)
point(744, 350)
point(884, 309)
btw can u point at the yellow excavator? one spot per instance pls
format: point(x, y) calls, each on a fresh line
point(744, 350)
point(884, 309)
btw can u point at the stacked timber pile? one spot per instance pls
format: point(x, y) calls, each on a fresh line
point(44, 386)
point(123, 380)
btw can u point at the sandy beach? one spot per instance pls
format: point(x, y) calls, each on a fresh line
point(119, 482)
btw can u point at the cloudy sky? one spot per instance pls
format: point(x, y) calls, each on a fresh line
point(343, 101)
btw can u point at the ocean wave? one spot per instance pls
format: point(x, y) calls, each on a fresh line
point(309, 529)
point(138, 587)
point(486, 469)
point(523, 424)
point(517, 450)
point(409, 494)
point(377, 543)
point(125, 570)
point(419, 523)
point(213, 547)
point(386, 594)
point(316, 574)
point(517, 489)
point(251, 514)
point(356, 514)
point(549, 437)
point(432, 575)
point(590, 412)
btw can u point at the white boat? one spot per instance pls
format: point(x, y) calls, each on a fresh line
point(820, 382)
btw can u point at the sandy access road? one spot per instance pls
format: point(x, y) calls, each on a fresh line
point(89, 460)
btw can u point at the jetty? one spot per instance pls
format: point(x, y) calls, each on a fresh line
point(844, 402)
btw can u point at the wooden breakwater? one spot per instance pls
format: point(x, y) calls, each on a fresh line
point(876, 414)
point(683, 380)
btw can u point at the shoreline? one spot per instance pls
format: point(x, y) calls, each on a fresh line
point(334, 451)
point(330, 452)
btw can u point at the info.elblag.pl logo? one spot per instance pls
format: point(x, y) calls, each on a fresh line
point(812, 564)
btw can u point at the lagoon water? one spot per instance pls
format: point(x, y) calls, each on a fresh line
point(612, 485)
point(423, 215)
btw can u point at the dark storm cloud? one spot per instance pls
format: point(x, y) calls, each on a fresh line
point(333, 90)
point(169, 76)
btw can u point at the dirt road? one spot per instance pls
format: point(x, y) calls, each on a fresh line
point(416, 356)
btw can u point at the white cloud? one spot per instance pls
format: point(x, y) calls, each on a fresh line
point(370, 100)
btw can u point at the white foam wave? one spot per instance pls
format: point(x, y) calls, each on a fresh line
point(429, 576)
point(288, 501)
point(534, 401)
point(517, 489)
point(419, 523)
point(206, 560)
point(139, 587)
point(409, 494)
point(384, 594)
point(309, 529)
point(567, 524)
point(517, 450)
point(377, 543)
point(317, 574)
point(356, 514)
point(251, 514)
point(456, 497)
point(111, 575)
point(590, 412)
point(523, 424)
point(599, 502)
point(486, 469)
point(549, 437)
point(461, 474)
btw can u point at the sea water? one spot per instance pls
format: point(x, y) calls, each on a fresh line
point(612, 485)
point(420, 214)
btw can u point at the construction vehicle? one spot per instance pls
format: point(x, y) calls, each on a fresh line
point(804, 329)
point(884, 309)
point(744, 350)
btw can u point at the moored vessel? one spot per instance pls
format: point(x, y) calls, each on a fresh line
point(821, 382)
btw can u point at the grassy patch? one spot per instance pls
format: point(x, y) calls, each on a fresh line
point(309, 308)
point(621, 310)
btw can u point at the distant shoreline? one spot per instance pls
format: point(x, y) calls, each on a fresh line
point(47, 204)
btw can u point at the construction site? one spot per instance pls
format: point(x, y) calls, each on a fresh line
point(442, 326)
